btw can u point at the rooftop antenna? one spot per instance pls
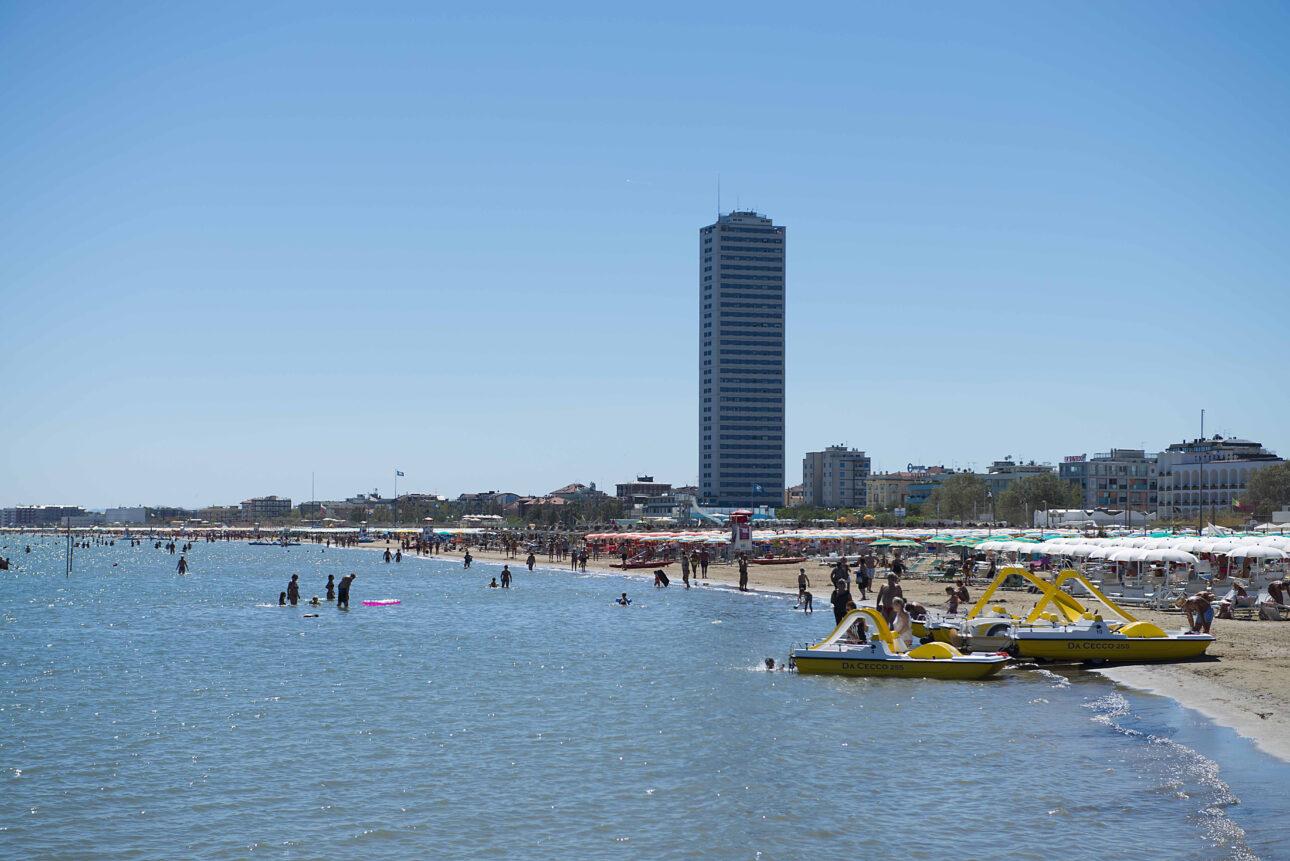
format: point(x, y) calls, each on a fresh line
point(718, 196)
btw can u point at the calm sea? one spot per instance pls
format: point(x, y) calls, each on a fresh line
point(144, 715)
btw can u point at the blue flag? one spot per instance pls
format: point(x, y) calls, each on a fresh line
point(756, 488)
point(399, 473)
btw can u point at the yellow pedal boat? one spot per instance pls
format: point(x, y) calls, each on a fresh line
point(862, 645)
point(1071, 632)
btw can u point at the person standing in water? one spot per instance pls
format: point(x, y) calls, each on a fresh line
point(703, 563)
point(685, 570)
point(467, 559)
point(840, 598)
point(182, 567)
point(331, 587)
point(887, 596)
point(293, 589)
point(506, 576)
point(531, 561)
point(282, 599)
point(803, 583)
point(902, 627)
point(743, 572)
point(387, 555)
point(342, 592)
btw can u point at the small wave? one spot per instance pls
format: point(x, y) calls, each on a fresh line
point(1182, 767)
point(1059, 681)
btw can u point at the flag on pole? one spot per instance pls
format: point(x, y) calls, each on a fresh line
point(399, 473)
point(756, 488)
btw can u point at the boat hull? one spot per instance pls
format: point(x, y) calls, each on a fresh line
point(900, 668)
point(779, 560)
point(1110, 649)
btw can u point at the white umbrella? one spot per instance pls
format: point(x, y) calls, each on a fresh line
point(1168, 554)
point(1258, 551)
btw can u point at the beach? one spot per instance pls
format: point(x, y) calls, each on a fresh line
point(1243, 683)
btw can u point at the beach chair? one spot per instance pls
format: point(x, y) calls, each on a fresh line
point(1267, 609)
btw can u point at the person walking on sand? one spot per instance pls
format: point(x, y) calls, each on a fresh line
point(331, 587)
point(342, 592)
point(293, 589)
point(531, 561)
point(685, 570)
point(703, 562)
point(898, 565)
point(506, 576)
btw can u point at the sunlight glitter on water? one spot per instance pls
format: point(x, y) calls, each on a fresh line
point(175, 717)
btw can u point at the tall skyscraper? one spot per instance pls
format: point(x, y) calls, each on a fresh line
point(741, 361)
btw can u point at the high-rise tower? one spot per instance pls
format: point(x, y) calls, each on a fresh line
point(741, 361)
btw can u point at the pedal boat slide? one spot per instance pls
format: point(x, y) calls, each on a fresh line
point(850, 650)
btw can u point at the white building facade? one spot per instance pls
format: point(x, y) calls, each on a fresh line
point(1208, 474)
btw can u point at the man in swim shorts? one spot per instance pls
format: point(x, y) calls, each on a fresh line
point(342, 593)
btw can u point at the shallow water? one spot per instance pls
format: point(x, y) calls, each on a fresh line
point(144, 715)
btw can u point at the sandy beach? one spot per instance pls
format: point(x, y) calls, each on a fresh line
point(1244, 684)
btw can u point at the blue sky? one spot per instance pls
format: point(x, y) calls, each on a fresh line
point(239, 244)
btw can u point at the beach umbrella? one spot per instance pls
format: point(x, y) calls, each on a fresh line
point(1169, 554)
point(1258, 551)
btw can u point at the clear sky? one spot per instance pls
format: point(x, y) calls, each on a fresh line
point(244, 242)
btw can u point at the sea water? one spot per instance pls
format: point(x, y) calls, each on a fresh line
point(147, 715)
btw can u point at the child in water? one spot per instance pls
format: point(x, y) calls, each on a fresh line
point(282, 599)
point(623, 601)
point(493, 585)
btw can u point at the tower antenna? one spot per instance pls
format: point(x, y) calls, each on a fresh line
point(718, 197)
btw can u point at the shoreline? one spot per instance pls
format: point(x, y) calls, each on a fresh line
point(1246, 690)
point(1221, 705)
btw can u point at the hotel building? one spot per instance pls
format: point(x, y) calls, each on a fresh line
point(741, 361)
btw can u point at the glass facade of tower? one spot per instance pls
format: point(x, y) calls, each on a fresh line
point(741, 361)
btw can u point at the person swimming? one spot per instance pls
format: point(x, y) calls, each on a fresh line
point(623, 600)
point(493, 584)
point(314, 601)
